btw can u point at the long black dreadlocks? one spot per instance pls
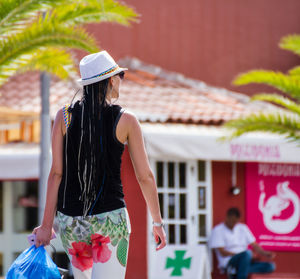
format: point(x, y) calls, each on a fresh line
point(91, 167)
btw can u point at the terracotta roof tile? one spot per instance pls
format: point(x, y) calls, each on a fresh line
point(153, 94)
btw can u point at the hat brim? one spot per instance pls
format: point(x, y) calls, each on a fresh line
point(96, 79)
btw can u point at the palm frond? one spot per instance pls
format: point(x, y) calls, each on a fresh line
point(62, 66)
point(90, 11)
point(14, 14)
point(291, 42)
point(295, 71)
point(288, 84)
point(35, 33)
point(44, 33)
point(277, 123)
point(279, 100)
point(54, 61)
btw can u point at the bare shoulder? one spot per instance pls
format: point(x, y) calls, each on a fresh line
point(129, 115)
point(129, 127)
point(59, 121)
point(59, 115)
point(125, 126)
point(129, 119)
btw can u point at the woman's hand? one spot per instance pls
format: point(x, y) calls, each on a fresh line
point(160, 237)
point(43, 235)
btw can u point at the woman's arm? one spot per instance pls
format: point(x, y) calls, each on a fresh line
point(44, 231)
point(144, 174)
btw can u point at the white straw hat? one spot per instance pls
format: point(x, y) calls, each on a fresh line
point(98, 66)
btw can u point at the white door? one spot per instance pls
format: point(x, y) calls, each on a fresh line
point(184, 190)
point(201, 201)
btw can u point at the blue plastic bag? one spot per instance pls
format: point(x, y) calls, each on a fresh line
point(33, 263)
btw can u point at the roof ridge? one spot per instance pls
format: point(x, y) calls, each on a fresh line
point(137, 64)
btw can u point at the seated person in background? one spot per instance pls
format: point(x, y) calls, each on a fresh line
point(230, 241)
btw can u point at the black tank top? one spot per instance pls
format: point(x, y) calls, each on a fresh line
point(68, 198)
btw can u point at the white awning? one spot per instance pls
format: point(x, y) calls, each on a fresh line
point(19, 161)
point(170, 142)
point(184, 142)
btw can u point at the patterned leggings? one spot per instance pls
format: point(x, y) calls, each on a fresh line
point(96, 245)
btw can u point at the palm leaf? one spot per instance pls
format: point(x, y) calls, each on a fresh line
point(278, 123)
point(14, 14)
point(55, 61)
point(295, 71)
point(279, 100)
point(278, 80)
point(44, 33)
point(31, 41)
point(104, 11)
point(291, 42)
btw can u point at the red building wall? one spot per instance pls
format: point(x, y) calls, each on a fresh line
point(137, 258)
point(210, 40)
point(286, 262)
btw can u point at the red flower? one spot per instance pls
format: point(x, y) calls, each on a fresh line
point(81, 255)
point(101, 252)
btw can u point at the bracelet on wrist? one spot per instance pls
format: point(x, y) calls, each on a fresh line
point(155, 224)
